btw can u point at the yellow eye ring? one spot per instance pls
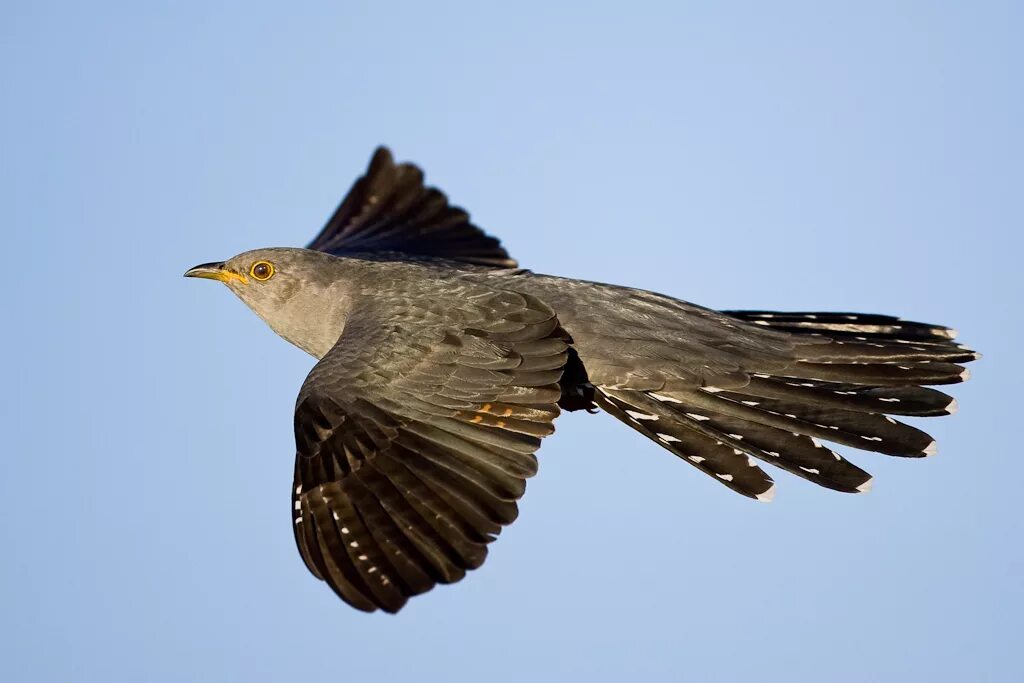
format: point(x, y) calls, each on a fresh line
point(262, 270)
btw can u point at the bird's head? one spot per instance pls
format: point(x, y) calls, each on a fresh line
point(288, 288)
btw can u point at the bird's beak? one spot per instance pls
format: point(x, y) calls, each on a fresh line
point(215, 271)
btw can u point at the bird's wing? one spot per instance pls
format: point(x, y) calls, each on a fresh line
point(389, 209)
point(415, 435)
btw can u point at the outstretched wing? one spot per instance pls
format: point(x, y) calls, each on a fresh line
point(415, 435)
point(389, 209)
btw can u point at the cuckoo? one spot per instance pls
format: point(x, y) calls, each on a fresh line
point(441, 365)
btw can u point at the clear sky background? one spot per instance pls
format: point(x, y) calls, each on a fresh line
point(790, 155)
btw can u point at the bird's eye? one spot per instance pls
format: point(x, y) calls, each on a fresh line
point(262, 270)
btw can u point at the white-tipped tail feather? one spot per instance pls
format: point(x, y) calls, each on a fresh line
point(850, 374)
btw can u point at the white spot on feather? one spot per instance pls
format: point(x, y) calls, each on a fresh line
point(695, 416)
point(866, 486)
point(809, 470)
point(641, 416)
point(871, 438)
point(767, 496)
point(931, 449)
point(667, 438)
point(664, 398)
point(724, 477)
point(696, 458)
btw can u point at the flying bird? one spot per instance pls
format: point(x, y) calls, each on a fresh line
point(441, 365)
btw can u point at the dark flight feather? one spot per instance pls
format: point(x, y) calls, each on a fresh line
point(389, 209)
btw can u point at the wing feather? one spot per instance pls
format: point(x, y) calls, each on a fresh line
point(415, 436)
point(389, 209)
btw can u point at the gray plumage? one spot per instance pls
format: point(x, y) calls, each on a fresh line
point(441, 366)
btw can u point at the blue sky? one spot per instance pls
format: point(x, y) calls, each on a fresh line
point(833, 156)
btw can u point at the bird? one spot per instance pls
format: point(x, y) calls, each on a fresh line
point(441, 365)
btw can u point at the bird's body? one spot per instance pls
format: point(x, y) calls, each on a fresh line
point(442, 366)
point(608, 323)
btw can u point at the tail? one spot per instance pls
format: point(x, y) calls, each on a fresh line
point(843, 390)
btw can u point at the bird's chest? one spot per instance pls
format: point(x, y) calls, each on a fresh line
point(313, 323)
